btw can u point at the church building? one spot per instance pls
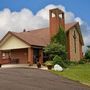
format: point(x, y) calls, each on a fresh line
point(23, 47)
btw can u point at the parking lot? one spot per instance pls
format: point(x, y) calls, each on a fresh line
point(35, 79)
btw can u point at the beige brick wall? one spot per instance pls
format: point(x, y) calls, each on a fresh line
point(74, 56)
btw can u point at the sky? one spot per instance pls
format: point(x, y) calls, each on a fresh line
point(16, 15)
point(80, 8)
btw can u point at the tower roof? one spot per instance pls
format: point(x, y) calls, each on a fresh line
point(56, 10)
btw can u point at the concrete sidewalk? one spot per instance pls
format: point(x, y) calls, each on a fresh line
point(22, 66)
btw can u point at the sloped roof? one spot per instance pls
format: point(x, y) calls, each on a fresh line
point(39, 37)
point(68, 26)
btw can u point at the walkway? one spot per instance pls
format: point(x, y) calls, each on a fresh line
point(22, 66)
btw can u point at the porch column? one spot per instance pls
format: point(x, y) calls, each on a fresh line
point(41, 56)
point(30, 56)
point(0, 55)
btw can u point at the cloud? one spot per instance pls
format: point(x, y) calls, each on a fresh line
point(78, 19)
point(44, 13)
point(17, 21)
point(86, 33)
point(25, 19)
point(69, 16)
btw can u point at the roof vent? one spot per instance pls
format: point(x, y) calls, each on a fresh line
point(28, 31)
point(24, 30)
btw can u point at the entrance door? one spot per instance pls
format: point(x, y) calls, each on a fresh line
point(35, 55)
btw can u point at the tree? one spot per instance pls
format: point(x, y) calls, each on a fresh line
point(87, 54)
point(54, 49)
point(60, 37)
point(57, 45)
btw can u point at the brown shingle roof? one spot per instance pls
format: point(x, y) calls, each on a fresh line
point(69, 25)
point(39, 37)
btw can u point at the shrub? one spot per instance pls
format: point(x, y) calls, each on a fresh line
point(73, 63)
point(83, 61)
point(54, 49)
point(58, 60)
point(66, 61)
point(49, 62)
point(88, 60)
point(87, 55)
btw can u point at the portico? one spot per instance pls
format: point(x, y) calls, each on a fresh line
point(14, 50)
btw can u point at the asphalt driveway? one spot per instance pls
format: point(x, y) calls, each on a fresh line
point(35, 79)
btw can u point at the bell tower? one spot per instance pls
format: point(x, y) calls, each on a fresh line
point(56, 20)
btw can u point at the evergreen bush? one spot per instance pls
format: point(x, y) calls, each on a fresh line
point(57, 45)
point(58, 60)
point(87, 55)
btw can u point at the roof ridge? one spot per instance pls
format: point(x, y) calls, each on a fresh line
point(71, 23)
point(28, 30)
point(38, 29)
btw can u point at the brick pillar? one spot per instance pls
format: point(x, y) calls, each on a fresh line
point(80, 49)
point(68, 46)
point(30, 56)
point(41, 56)
point(0, 55)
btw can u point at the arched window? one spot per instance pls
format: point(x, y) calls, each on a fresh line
point(74, 36)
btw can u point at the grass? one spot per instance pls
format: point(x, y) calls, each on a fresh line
point(79, 73)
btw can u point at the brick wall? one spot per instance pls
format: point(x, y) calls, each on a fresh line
point(74, 56)
point(20, 54)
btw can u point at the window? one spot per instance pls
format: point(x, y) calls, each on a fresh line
point(60, 15)
point(53, 15)
point(74, 36)
point(5, 55)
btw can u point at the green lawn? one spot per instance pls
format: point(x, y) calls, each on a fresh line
point(79, 73)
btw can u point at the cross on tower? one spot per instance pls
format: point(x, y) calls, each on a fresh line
point(74, 36)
